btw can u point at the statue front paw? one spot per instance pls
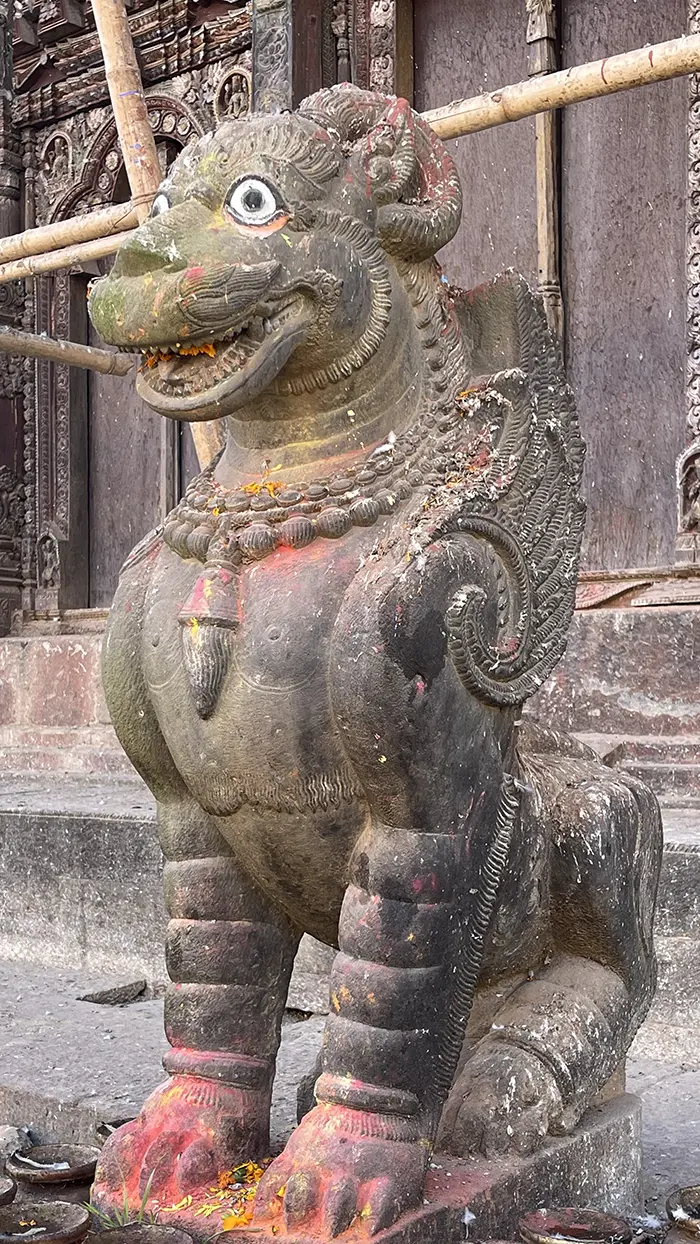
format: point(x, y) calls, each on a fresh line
point(336, 1169)
point(189, 1130)
point(505, 1101)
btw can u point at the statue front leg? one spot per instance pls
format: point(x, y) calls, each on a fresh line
point(364, 1148)
point(229, 956)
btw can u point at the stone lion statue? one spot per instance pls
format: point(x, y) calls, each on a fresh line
point(319, 666)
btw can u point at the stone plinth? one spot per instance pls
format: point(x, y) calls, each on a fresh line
point(599, 1166)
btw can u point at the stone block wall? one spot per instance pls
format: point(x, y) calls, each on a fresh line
point(53, 715)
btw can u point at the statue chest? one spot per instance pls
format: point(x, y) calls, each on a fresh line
point(242, 681)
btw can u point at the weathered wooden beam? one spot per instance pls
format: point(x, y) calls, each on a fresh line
point(128, 101)
point(655, 63)
point(53, 261)
point(543, 58)
point(34, 346)
point(100, 224)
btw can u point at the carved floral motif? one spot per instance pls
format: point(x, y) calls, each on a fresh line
point(382, 41)
point(10, 505)
point(686, 472)
point(272, 33)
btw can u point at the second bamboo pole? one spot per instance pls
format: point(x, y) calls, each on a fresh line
point(641, 67)
point(128, 101)
point(70, 232)
point(66, 257)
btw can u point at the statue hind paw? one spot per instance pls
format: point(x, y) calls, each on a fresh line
point(504, 1102)
point(188, 1132)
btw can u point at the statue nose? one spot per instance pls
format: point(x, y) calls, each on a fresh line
point(163, 241)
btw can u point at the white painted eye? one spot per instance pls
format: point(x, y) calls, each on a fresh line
point(252, 202)
point(160, 204)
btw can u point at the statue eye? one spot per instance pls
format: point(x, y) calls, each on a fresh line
point(160, 204)
point(252, 202)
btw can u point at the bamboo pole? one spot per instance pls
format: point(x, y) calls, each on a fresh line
point(128, 101)
point(641, 67)
point(100, 224)
point(656, 63)
point(34, 346)
point(53, 261)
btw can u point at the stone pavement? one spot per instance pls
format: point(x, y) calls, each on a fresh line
point(69, 1067)
point(81, 910)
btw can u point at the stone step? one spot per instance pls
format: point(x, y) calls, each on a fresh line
point(80, 885)
point(66, 759)
point(678, 901)
point(53, 716)
point(678, 987)
point(669, 764)
point(666, 780)
point(81, 882)
point(626, 672)
point(664, 749)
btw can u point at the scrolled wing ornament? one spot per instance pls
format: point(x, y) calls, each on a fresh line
point(523, 501)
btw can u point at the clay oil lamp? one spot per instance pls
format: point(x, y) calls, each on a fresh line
point(49, 1172)
point(573, 1226)
point(8, 1189)
point(683, 1210)
point(50, 1222)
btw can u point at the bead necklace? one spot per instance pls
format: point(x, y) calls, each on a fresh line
point(232, 526)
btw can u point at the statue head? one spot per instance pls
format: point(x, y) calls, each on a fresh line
point(269, 259)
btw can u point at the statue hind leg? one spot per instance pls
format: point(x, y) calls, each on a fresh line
point(229, 955)
point(561, 1035)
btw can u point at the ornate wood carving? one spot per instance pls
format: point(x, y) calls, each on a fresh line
point(10, 544)
point(688, 537)
point(68, 77)
point(381, 45)
point(272, 55)
point(341, 30)
point(29, 396)
point(72, 163)
point(10, 367)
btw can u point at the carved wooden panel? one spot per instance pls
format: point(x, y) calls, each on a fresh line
point(272, 55)
point(170, 40)
point(624, 184)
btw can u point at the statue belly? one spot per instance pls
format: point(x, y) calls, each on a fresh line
point(268, 763)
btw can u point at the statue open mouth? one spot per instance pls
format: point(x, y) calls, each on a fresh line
point(207, 378)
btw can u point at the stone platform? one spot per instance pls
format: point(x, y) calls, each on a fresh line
point(599, 1166)
point(81, 882)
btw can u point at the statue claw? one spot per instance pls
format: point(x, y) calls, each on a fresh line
point(189, 1131)
point(325, 1181)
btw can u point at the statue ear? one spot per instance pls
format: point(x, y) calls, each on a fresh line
point(414, 183)
point(412, 179)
